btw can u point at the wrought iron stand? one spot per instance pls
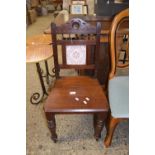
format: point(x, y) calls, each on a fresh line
point(35, 98)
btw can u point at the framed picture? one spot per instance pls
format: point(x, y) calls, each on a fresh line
point(76, 9)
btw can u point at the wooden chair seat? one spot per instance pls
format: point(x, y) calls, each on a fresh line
point(76, 94)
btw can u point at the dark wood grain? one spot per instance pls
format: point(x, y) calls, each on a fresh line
point(60, 100)
point(88, 35)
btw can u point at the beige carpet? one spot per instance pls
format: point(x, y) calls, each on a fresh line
point(75, 132)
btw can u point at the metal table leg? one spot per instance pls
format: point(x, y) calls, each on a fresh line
point(48, 73)
point(35, 98)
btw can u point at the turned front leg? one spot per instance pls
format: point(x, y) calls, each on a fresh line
point(52, 125)
point(99, 122)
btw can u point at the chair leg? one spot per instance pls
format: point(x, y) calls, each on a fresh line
point(52, 125)
point(111, 125)
point(99, 119)
point(107, 120)
point(94, 121)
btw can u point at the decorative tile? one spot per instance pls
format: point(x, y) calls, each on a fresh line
point(76, 55)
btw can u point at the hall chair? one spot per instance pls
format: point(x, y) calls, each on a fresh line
point(118, 86)
point(76, 94)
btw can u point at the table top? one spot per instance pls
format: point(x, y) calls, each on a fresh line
point(92, 18)
point(37, 53)
point(39, 39)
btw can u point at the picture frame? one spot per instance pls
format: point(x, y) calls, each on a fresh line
point(76, 9)
point(85, 9)
point(78, 2)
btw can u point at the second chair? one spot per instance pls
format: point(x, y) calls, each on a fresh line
point(118, 87)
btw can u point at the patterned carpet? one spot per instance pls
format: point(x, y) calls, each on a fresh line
point(75, 132)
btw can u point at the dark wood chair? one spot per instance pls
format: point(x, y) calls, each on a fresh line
point(76, 94)
point(118, 86)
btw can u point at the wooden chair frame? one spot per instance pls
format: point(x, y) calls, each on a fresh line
point(112, 122)
point(60, 100)
point(118, 18)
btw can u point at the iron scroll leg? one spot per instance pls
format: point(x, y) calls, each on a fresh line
point(47, 75)
point(35, 98)
point(47, 72)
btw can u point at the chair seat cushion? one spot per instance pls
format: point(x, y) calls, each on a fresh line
point(76, 94)
point(119, 96)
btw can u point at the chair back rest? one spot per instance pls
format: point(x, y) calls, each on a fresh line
point(79, 42)
point(119, 36)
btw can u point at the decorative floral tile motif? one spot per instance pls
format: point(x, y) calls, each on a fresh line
point(76, 55)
